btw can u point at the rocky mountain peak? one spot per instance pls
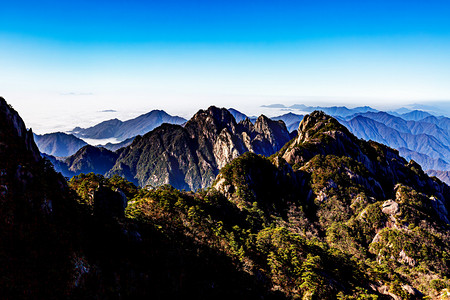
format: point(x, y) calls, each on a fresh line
point(211, 122)
point(14, 132)
point(319, 133)
point(318, 122)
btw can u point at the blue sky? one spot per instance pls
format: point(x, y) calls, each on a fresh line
point(61, 62)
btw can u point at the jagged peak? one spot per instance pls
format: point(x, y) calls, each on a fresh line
point(12, 122)
point(213, 119)
point(262, 118)
point(318, 122)
point(247, 123)
point(212, 111)
point(264, 122)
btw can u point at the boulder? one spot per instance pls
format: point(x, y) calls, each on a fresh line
point(390, 207)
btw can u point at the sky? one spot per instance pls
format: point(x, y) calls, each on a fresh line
point(75, 63)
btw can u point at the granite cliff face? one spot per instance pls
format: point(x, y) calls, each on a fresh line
point(190, 157)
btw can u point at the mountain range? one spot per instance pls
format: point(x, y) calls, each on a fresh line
point(186, 157)
point(424, 140)
point(341, 111)
point(418, 135)
point(327, 216)
point(123, 130)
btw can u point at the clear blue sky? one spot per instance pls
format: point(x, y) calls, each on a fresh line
point(132, 56)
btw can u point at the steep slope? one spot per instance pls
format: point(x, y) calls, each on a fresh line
point(91, 159)
point(359, 199)
point(189, 157)
point(123, 130)
point(58, 143)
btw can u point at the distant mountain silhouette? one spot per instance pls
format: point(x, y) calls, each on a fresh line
point(442, 122)
point(58, 143)
point(122, 130)
point(291, 120)
point(416, 115)
point(424, 160)
point(238, 116)
point(116, 146)
point(341, 111)
point(370, 129)
point(418, 135)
